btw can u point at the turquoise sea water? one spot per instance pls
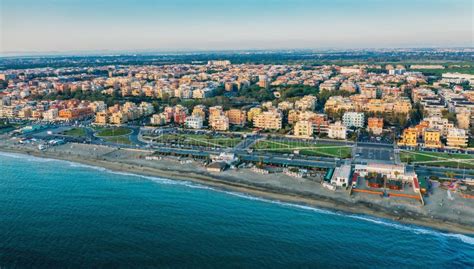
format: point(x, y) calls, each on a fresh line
point(57, 214)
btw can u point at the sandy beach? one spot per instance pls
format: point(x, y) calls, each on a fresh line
point(451, 216)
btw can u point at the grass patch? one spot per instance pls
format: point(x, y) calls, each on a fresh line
point(198, 140)
point(119, 140)
point(75, 132)
point(119, 131)
point(442, 159)
point(305, 148)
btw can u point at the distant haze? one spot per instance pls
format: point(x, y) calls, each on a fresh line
point(136, 25)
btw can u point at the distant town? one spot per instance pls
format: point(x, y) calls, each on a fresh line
point(395, 130)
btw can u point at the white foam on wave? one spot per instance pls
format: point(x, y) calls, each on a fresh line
point(25, 157)
point(411, 228)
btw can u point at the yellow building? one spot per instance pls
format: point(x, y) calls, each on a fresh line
point(101, 117)
point(268, 120)
point(219, 123)
point(409, 137)
point(254, 111)
point(303, 129)
point(236, 116)
point(432, 138)
point(118, 118)
point(402, 106)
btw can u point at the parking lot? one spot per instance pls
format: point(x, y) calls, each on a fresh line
point(382, 154)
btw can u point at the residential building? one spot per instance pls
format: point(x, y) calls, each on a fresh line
point(353, 119)
point(409, 137)
point(375, 125)
point(303, 129)
point(194, 122)
point(432, 138)
point(101, 117)
point(219, 123)
point(236, 116)
point(457, 138)
point(268, 120)
point(337, 130)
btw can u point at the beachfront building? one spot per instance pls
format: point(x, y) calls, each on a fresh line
point(303, 129)
point(391, 171)
point(337, 130)
point(457, 138)
point(341, 176)
point(194, 122)
point(375, 125)
point(269, 120)
point(353, 119)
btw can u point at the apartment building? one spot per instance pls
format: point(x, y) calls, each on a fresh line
point(303, 129)
point(337, 130)
point(194, 122)
point(219, 123)
point(254, 111)
point(236, 116)
point(409, 137)
point(457, 138)
point(432, 138)
point(308, 102)
point(101, 117)
point(375, 125)
point(353, 119)
point(268, 120)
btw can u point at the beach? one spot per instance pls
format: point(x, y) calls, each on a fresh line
point(453, 216)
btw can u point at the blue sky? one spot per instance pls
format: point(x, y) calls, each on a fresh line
point(88, 25)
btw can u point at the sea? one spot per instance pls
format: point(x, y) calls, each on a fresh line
point(59, 214)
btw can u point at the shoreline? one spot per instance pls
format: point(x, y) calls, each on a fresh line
point(220, 182)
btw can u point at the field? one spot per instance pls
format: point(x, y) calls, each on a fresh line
point(119, 140)
point(75, 132)
point(198, 140)
point(438, 159)
point(305, 148)
point(119, 131)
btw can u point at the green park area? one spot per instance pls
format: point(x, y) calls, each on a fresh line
point(304, 148)
point(438, 159)
point(113, 131)
point(118, 140)
point(76, 132)
point(198, 140)
point(118, 135)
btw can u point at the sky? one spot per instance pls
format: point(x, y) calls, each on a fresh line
point(176, 25)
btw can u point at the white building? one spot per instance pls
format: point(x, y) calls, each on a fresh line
point(341, 176)
point(337, 130)
point(353, 119)
point(194, 122)
point(51, 114)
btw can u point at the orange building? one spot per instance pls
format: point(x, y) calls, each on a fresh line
point(375, 125)
point(75, 113)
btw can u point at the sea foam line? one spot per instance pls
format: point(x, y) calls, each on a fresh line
point(411, 228)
